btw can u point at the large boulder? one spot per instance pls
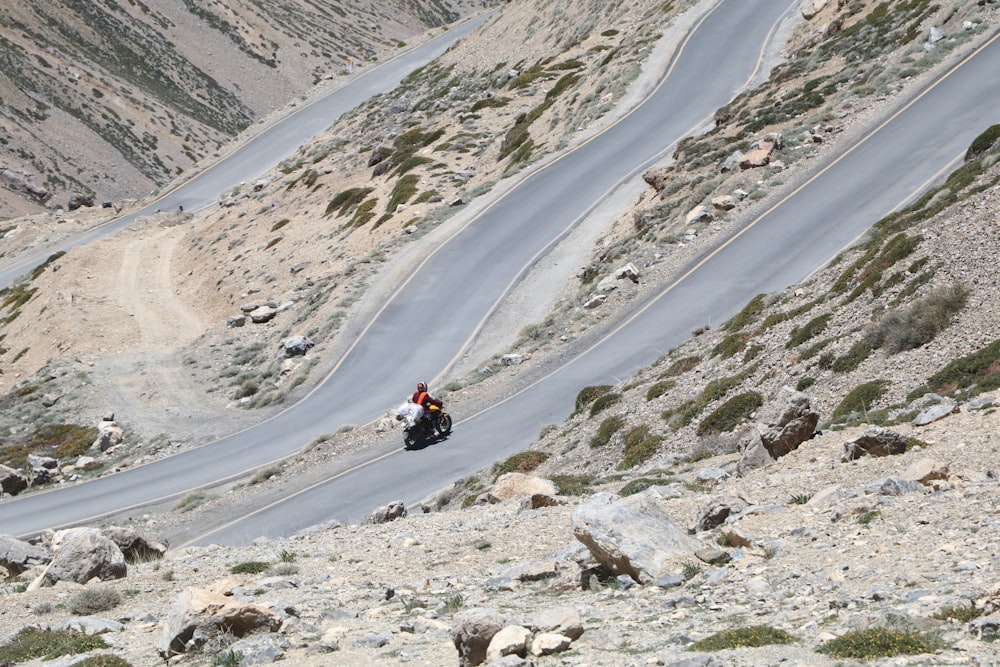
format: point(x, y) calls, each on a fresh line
point(768, 441)
point(657, 178)
point(198, 616)
point(811, 8)
point(795, 424)
point(11, 481)
point(386, 513)
point(82, 554)
point(561, 620)
point(717, 511)
point(136, 548)
point(17, 556)
point(631, 536)
point(295, 346)
point(472, 631)
point(518, 485)
point(874, 442)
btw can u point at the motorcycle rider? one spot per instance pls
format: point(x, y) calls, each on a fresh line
point(422, 398)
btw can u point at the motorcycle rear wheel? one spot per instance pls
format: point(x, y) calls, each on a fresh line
point(444, 424)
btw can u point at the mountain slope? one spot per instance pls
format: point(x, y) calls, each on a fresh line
point(110, 99)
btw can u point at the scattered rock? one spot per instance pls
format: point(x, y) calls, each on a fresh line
point(197, 616)
point(874, 442)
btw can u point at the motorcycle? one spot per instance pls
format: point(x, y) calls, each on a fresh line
point(435, 423)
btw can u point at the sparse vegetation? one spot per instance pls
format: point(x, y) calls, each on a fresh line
point(860, 399)
point(94, 600)
point(756, 636)
point(194, 500)
point(603, 403)
point(588, 395)
point(658, 389)
point(641, 444)
point(265, 474)
point(979, 370)
point(572, 485)
point(879, 643)
point(523, 462)
point(31, 643)
point(961, 613)
point(731, 414)
point(103, 660)
point(250, 567)
point(606, 430)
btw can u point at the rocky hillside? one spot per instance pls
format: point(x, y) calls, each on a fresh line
point(109, 100)
point(809, 483)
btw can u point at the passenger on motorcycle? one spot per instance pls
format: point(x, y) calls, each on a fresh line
point(422, 398)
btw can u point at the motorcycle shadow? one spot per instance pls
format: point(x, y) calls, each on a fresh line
point(426, 442)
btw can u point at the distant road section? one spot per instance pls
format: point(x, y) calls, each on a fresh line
point(266, 149)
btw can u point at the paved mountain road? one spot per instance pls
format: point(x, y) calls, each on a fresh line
point(889, 166)
point(488, 255)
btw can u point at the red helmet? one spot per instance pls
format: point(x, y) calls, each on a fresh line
point(421, 386)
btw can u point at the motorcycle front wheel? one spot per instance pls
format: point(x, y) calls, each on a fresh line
point(409, 440)
point(444, 424)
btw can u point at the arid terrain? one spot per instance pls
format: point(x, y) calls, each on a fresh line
point(907, 320)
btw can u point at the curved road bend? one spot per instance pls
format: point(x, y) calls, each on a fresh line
point(468, 275)
point(803, 232)
point(266, 149)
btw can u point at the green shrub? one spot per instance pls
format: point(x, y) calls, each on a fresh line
point(490, 102)
point(63, 440)
point(250, 567)
point(193, 500)
point(228, 658)
point(804, 383)
point(640, 446)
point(961, 613)
point(641, 484)
point(524, 462)
point(680, 367)
point(983, 143)
point(603, 403)
point(608, 428)
point(853, 357)
point(921, 322)
point(265, 474)
point(866, 518)
point(728, 416)
point(731, 345)
point(750, 313)
point(659, 389)
point(364, 213)
point(809, 330)
point(590, 394)
point(93, 600)
point(30, 643)
point(861, 398)
point(879, 643)
point(104, 660)
point(758, 635)
point(980, 369)
point(402, 192)
point(713, 391)
point(572, 485)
